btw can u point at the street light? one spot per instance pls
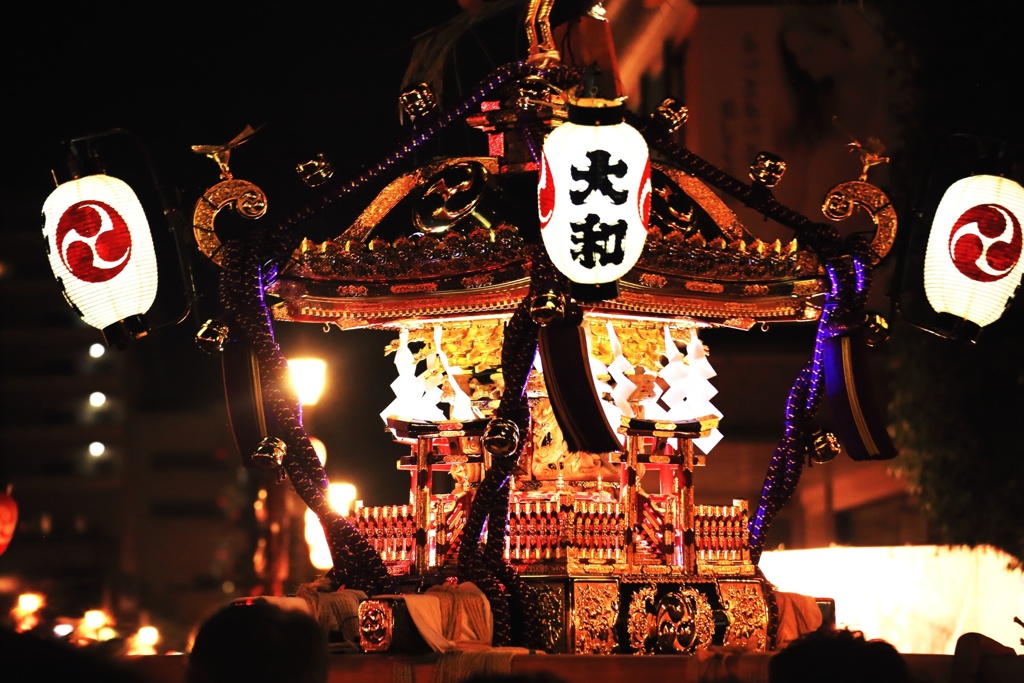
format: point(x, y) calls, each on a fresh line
point(341, 496)
point(308, 376)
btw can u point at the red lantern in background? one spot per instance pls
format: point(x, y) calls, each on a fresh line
point(101, 252)
point(973, 261)
point(594, 197)
point(8, 518)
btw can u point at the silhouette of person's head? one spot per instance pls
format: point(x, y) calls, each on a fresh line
point(526, 677)
point(32, 656)
point(258, 643)
point(841, 656)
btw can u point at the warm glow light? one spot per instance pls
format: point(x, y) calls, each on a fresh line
point(96, 449)
point(919, 598)
point(97, 399)
point(97, 350)
point(144, 641)
point(62, 630)
point(101, 250)
point(30, 602)
point(973, 261)
point(94, 619)
point(341, 496)
point(148, 635)
point(308, 378)
point(25, 611)
point(319, 448)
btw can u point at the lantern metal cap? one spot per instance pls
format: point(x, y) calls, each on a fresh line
point(595, 111)
point(595, 292)
point(957, 328)
point(123, 331)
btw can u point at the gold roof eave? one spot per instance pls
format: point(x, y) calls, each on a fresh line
point(709, 303)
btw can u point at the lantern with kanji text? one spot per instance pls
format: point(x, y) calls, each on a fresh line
point(594, 196)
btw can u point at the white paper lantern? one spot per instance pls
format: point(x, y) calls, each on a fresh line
point(101, 251)
point(973, 260)
point(594, 193)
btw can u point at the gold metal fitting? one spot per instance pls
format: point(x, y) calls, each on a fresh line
point(376, 625)
point(269, 455)
point(501, 437)
point(767, 169)
point(221, 154)
point(838, 205)
point(316, 171)
point(212, 336)
point(675, 628)
point(417, 100)
point(533, 93)
point(547, 308)
point(876, 329)
point(670, 115)
point(825, 447)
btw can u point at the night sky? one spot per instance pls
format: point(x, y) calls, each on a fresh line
point(310, 82)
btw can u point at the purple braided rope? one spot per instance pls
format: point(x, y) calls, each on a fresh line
point(849, 285)
point(781, 477)
point(242, 299)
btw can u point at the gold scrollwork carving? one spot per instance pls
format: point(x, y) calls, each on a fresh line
point(703, 619)
point(755, 290)
point(450, 195)
point(247, 200)
point(594, 613)
point(843, 198)
point(652, 280)
point(640, 621)
point(747, 610)
point(415, 287)
point(352, 290)
point(709, 287)
point(549, 615)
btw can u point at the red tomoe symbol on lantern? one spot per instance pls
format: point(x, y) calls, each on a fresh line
point(644, 199)
point(94, 241)
point(985, 242)
point(545, 192)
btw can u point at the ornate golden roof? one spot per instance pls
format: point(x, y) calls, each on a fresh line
point(447, 241)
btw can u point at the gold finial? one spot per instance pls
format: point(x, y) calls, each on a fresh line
point(870, 152)
point(221, 154)
point(542, 50)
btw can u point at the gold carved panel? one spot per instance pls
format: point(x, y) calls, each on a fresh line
point(747, 611)
point(594, 613)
